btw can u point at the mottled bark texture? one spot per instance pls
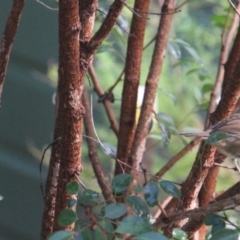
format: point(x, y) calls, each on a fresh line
point(131, 82)
point(151, 85)
point(8, 38)
point(65, 162)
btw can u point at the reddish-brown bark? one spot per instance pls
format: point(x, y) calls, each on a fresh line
point(8, 38)
point(152, 84)
point(204, 160)
point(65, 162)
point(92, 152)
point(131, 82)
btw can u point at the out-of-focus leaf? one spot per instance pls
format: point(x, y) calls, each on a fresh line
point(72, 187)
point(208, 87)
point(89, 196)
point(198, 95)
point(72, 202)
point(67, 217)
point(150, 192)
point(204, 105)
point(121, 182)
point(174, 49)
point(219, 20)
point(137, 189)
point(179, 234)
point(61, 235)
point(168, 94)
point(220, 225)
point(134, 225)
point(100, 235)
point(225, 234)
point(216, 136)
point(212, 219)
point(170, 189)
point(163, 117)
point(151, 235)
point(189, 49)
point(139, 207)
point(115, 210)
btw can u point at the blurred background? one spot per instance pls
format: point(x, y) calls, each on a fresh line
point(27, 110)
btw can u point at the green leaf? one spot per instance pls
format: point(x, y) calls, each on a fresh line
point(115, 210)
point(168, 94)
point(163, 117)
point(220, 225)
point(170, 189)
point(179, 234)
point(216, 137)
point(204, 105)
point(67, 217)
point(72, 187)
point(61, 235)
point(212, 219)
point(72, 202)
point(109, 230)
point(121, 182)
point(139, 207)
point(89, 195)
point(189, 49)
point(150, 192)
point(219, 20)
point(198, 95)
point(151, 235)
point(208, 87)
point(134, 225)
point(174, 49)
point(86, 234)
point(194, 70)
point(225, 234)
point(137, 189)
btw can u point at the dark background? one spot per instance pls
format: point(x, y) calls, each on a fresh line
point(26, 117)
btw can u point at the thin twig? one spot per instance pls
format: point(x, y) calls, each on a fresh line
point(41, 163)
point(235, 9)
point(107, 105)
point(177, 157)
point(8, 38)
point(226, 204)
point(46, 6)
point(222, 166)
point(183, 3)
point(99, 10)
point(80, 181)
point(226, 43)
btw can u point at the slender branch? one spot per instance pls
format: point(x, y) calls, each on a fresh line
point(226, 43)
point(92, 152)
point(8, 38)
point(107, 105)
point(232, 58)
point(235, 9)
point(225, 204)
point(41, 163)
point(177, 157)
point(131, 82)
point(151, 85)
point(209, 185)
point(107, 25)
point(46, 6)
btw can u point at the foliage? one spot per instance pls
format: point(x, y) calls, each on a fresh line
point(126, 206)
